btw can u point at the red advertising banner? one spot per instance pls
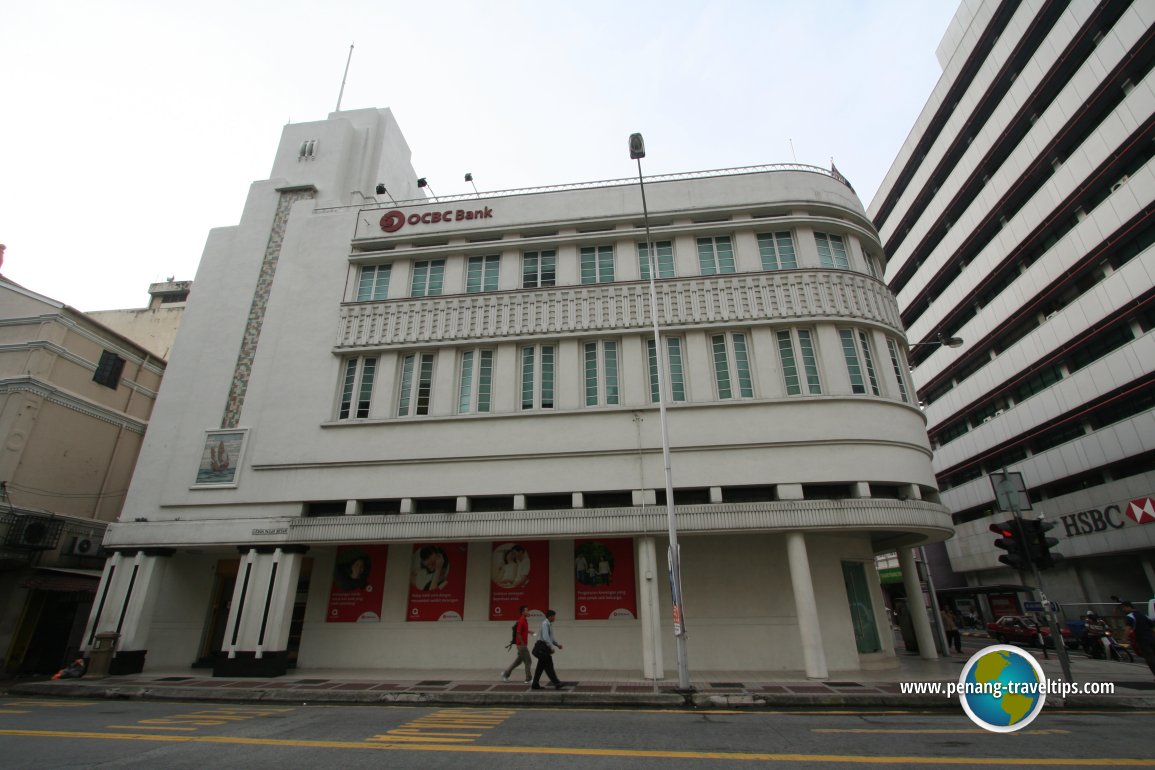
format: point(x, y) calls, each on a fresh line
point(518, 574)
point(437, 581)
point(604, 585)
point(358, 583)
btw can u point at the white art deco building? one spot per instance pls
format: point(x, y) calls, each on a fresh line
point(1018, 217)
point(389, 420)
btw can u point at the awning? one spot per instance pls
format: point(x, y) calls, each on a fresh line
point(60, 579)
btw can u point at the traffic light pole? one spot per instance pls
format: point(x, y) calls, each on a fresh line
point(1056, 634)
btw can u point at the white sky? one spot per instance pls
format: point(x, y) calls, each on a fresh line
point(129, 129)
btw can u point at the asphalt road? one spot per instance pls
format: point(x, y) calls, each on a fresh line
point(46, 733)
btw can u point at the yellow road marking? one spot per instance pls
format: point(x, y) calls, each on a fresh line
point(52, 704)
point(13, 711)
point(627, 753)
point(145, 727)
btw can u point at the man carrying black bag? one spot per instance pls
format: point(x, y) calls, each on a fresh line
point(543, 650)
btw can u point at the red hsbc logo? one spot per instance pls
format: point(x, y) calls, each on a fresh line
point(394, 220)
point(1141, 511)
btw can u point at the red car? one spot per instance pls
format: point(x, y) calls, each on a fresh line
point(1021, 629)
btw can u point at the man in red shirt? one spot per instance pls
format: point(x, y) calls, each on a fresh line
point(521, 640)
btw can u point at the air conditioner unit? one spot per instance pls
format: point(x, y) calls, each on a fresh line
point(84, 546)
point(999, 411)
point(987, 418)
point(1122, 181)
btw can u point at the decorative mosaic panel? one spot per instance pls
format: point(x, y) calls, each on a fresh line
point(256, 319)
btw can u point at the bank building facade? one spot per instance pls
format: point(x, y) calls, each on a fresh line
point(389, 420)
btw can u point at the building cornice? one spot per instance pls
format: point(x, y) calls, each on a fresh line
point(891, 523)
point(55, 395)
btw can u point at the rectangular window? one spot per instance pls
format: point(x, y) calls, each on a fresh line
point(475, 389)
point(675, 370)
point(601, 373)
point(831, 251)
point(537, 377)
point(795, 347)
point(715, 255)
point(731, 365)
point(538, 269)
point(416, 384)
point(868, 360)
point(357, 388)
point(482, 273)
point(373, 283)
point(109, 369)
point(859, 362)
point(899, 370)
point(428, 278)
point(777, 250)
point(597, 264)
point(664, 254)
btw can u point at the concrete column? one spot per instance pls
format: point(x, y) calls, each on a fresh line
point(257, 634)
point(813, 655)
point(1149, 571)
point(126, 599)
point(649, 609)
point(916, 606)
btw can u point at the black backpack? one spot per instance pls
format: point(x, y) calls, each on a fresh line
point(512, 637)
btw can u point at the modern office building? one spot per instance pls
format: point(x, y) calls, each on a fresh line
point(75, 399)
point(1018, 217)
point(389, 420)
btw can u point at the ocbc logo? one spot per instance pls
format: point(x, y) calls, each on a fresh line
point(392, 221)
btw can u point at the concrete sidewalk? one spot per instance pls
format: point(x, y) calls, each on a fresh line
point(1134, 687)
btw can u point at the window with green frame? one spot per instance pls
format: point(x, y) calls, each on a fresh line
point(597, 264)
point(416, 384)
point(732, 366)
point(859, 361)
point(357, 388)
point(675, 369)
point(716, 255)
point(475, 388)
point(896, 363)
point(482, 273)
point(777, 251)
point(373, 282)
point(664, 256)
point(538, 269)
point(799, 363)
point(601, 373)
point(428, 278)
point(537, 377)
point(832, 251)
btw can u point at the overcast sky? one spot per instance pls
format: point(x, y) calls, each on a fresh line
point(129, 129)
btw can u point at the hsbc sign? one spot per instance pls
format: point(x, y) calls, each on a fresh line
point(394, 220)
point(1140, 511)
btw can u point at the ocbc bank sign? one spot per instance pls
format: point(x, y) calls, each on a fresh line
point(394, 220)
point(1141, 511)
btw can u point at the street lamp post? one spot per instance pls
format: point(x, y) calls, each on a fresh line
point(637, 152)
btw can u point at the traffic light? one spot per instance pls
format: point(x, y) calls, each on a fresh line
point(1038, 544)
point(1012, 541)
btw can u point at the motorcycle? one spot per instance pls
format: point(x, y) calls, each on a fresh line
point(1100, 643)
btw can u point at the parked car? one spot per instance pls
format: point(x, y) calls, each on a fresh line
point(1021, 629)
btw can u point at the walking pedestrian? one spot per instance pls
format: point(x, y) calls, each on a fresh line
point(543, 651)
point(1141, 630)
point(950, 625)
point(521, 641)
